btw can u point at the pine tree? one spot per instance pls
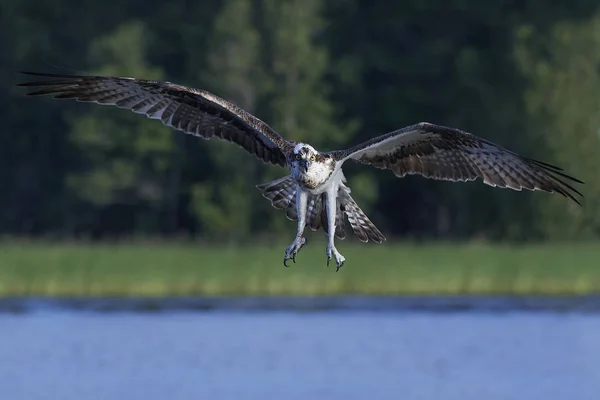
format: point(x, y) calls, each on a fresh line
point(564, 109)
point(123, 157)
point(224, 204)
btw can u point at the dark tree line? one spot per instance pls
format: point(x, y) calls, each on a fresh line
point(522, 73)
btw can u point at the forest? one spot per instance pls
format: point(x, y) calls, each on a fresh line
point(524, 74)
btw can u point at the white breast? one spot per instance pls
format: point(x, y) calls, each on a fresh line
point(318, 177)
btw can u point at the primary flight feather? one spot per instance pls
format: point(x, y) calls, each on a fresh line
point(315, 193)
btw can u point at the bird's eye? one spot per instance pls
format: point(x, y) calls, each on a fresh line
point(312, 158)
point(298, 157)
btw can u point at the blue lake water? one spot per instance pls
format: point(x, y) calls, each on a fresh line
point(332, 354)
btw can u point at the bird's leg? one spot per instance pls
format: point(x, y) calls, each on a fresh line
point(331, 204)
point(294, 248)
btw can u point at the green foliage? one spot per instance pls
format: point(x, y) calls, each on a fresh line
point(124, 159)
point(564, 107)
point(297, 64)
point(163, 269)
point(222, 205)
point(328, 72)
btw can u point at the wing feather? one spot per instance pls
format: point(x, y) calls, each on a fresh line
point(193, 111)
point(438, 152)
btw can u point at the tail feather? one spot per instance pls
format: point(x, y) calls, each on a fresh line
point(291, 213)
point(363, 227)
point(282, 194)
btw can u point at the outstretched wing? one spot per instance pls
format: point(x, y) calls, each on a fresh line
point(193, 111)
point(438, 152)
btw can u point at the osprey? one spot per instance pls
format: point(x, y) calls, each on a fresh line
point(315, 193)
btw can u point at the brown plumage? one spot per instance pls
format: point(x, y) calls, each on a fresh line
point(432, 151)
point(362, 226)
point(438, 152)
point(193, 111)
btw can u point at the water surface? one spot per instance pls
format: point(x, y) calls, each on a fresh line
point(351, 354)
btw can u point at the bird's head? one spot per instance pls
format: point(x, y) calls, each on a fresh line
point(303, 156)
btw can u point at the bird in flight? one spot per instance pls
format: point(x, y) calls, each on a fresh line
point(315, 193)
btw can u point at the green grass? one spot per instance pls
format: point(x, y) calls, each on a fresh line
point(167, 269)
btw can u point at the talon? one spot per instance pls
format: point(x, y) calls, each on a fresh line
point(292, 251)
point(339, 266)
point(328, 260)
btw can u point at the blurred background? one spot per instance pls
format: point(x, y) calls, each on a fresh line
point(118, 234)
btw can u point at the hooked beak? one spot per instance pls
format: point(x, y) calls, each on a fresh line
point(305, 165)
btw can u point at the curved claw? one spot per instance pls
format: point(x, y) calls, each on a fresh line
point(292, 250)
point(328, 260)
point(337, 268)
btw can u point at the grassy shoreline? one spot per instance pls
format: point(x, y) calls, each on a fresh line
point(184, 269)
